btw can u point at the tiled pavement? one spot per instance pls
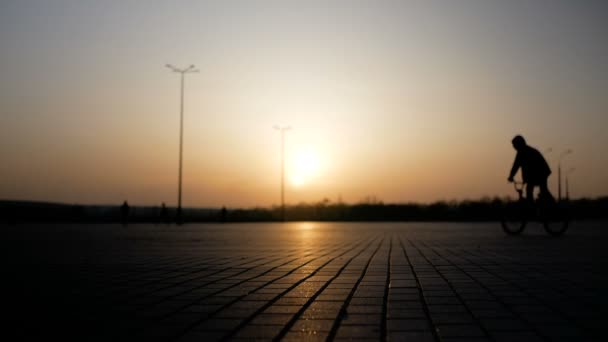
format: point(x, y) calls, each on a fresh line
point(305, 281)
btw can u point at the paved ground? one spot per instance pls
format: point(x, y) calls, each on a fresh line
point(304, 281)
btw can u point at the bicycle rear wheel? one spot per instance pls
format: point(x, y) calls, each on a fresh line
point(514, 218)
point(556, 219)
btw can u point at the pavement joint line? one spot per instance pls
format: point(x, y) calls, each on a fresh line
point(298, 314)
point(526, 322)
point(560, 279)
point(355, 245)
point(220, 279)
point(425, 306)
point(438, 282)
point(135, 266)
point(545, 275)
point(239, 283)
point(281, 295)
point(112, 281)
point(523, 290)
point(306, 305)
point(342, 313)
point(229, 287)
point(147, 293)
point(213, 272)
point(153, 271)
point(384, 323)
point(451, 286)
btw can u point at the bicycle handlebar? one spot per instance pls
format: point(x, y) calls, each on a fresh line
point(518, 185)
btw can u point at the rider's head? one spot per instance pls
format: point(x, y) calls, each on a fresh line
point(518, 142)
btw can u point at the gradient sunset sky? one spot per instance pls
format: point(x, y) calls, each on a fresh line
point(402, 100)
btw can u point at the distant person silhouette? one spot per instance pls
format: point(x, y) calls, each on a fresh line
point(223, 214)
point(164, 213)
point(124, 213)
point(534, 169)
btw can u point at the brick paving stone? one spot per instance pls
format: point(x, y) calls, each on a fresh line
point(337, 281)
point(405, 304)
point(184, 319)
point(500, 313)
point(516, 336)
point(313, 325)
point(459, 330)
point(198, 336)
point(364, 309)
point(367, 301)
point(258, 332)
point(321, 313)
point(358, 332)
point(468, 339)
point(219, 324)
point(245, 304)
point(448, 309)
point(453, 318)
point(294, 336)
point(560, 331)
point(413, 336)
point(397, 313)
point(336, 297)
point(362, 319)
point(397, 297)
point(235, 312)
point(272, 319)
point(325, 305)
point(503, 324)
point(289, 301)
point(408, 325)
point(282, 309)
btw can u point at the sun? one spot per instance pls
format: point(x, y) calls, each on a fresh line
point(306, 166)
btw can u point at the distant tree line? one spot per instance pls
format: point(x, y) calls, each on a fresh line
point(371, 209)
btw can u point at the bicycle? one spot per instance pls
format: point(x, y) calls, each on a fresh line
point(551, 214)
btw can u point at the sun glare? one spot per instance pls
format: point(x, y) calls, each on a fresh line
point(305, 168)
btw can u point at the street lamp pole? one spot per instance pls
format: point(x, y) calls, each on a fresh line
point(282, 129)
point(567, 190)
point(559, 173)
point(182, 72)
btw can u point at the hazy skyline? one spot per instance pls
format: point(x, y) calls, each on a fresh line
point(402, 100)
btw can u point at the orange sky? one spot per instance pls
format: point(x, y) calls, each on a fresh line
point(405, 101)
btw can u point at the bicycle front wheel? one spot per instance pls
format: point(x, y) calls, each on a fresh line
point(514, 218)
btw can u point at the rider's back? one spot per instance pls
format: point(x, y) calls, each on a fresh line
point(534, 167)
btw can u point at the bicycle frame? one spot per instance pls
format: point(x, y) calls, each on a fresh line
point(541, 210)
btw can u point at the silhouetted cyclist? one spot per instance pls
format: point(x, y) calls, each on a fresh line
point(534, 169)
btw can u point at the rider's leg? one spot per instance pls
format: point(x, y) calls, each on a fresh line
point(530, 197)
point(544, 191)
point(530, 193)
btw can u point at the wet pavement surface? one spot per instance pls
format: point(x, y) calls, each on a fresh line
point(304, 281)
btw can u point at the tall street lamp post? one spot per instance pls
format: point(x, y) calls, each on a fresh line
point(559, 173)
point(182, 72)
point(567, 190)
point(282, 129)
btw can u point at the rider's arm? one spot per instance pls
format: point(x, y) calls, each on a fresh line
point(515, 167)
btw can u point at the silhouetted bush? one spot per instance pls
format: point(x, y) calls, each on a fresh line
point(370, 209)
